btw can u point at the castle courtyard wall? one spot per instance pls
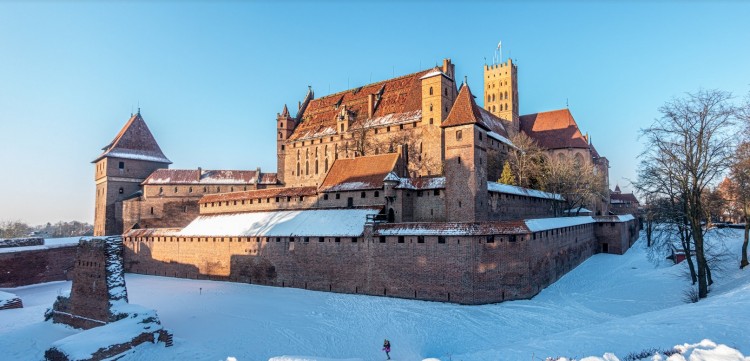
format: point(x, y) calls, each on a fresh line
point(470, 269)
point(37, 264)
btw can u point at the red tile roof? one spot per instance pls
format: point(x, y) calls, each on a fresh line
point(553, 130)
point(360, 173)
point(134, 141)
point(397, 95)
point(191, 176)
point(464, 110)
point(259, 194)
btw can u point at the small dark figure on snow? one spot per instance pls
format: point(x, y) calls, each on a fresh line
point(387, 348)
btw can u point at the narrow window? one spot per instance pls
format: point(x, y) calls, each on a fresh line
point(152, 210)
point(441, 239)
point(420, 239)
point(338, 196)
point(325, 197)
point(363, 195)
point(430, 90)
point(121, 165)
point(436, 192)
point(431, 121)
point(377, 194)
point(459, 135)
point(121, 191)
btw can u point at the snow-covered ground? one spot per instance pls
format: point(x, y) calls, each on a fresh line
point(609, 304)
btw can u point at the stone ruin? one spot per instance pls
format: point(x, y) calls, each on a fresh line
point(98, 304)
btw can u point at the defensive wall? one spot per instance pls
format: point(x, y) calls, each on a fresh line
point(467, 263)
point(20, 266)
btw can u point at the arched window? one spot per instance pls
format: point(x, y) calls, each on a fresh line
point(489, 98)
point(190, 190)
point(218, 189)
point(307, 168)
point(430, 90)
point(161, 190)
point(175, 189)
point(430, 107)
point(326, 165)
point(316, 166)
point(297, 169)
point(506, 95)
point(578, 159)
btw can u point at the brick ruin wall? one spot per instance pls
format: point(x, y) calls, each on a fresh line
point(460, 269)
point(25, 267)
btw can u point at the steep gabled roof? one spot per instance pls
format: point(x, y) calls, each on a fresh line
point(134, 141)
point(553, 130)
point(623, 198)
point(465, 111)
point(397, 100)
point(361, 173)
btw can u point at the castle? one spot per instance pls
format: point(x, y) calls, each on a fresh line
point(405, 164)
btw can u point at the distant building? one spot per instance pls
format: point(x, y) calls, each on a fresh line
point(623, 203)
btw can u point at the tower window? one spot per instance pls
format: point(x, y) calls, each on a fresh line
point(431, 121)
point(445, 92)
point(121, 191)
point(121, 165)
point(459, 135)
point(430, 90)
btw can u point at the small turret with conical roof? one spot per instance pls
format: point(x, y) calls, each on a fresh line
point(285, 125)
point(126, 162)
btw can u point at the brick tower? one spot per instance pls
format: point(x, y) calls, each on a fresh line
point(501, 93)
point(126, 162)
point(465, 161)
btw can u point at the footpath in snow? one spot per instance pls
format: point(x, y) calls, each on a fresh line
point(609, 304)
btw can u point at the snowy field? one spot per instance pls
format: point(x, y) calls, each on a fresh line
point(609, 304)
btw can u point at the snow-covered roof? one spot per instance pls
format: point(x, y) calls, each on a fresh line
point(205, 176)
point(577, 210)
point(509, 189)
point(422, 183)
point(543, 224)
point(136, 155)
point(318, 222)
point(451, 228)
point(501, 139)
point(434, 72)
point(394, 119)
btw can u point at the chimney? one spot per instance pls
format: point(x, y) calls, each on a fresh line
point(200, 172)
point(370, 105)
point(257, 175)
point(448, 68)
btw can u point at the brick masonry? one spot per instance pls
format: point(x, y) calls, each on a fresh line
point(475, 269)
point(25, 267)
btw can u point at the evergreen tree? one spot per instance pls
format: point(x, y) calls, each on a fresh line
point(507, 176)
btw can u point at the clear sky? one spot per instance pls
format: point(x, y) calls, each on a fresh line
point(210, 77)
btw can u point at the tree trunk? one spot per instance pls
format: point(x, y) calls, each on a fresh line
point(700, 258)
point(685, 238)
point(744, 262)
point(649, 231)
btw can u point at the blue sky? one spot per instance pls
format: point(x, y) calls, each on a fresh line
point(210, 77)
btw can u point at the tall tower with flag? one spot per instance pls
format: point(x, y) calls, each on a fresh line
point(501, 90)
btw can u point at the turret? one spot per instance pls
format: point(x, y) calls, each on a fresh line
point(285, 126)
point(125, 163)
point(465, 161)
point(501, 93)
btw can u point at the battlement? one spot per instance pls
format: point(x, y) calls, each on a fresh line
point(507, 63)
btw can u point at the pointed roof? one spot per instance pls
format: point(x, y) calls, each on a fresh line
point(368, 172)
point(464, 111)
point(285, 112)
point(554, 129)
point(134, 141)
point(617, 189)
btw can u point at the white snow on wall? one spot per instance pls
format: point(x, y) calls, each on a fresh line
point(319, 222)
point(543, 224)
point(509, 189)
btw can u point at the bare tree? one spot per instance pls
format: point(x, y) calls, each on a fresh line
point(576, 182)
point(740, 190)
point(687, 150)
point(527, 161)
